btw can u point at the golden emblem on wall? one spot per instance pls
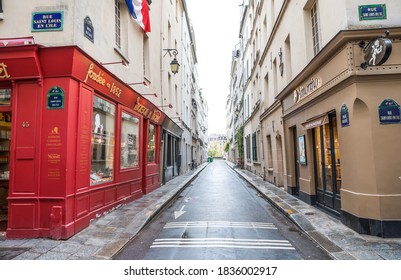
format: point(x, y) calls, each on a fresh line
point(3, 71)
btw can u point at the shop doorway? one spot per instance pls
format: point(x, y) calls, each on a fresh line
point(327, 165)
point(295, 157)
point(5, 137)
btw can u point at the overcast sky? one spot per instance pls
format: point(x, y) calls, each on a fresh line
point(216, 25)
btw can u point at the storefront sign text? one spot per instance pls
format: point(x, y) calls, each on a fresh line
point(55, 98)
point(304, 91)
point(47, 21)
point(156, 116)
point(389, 112)
point(146, 112)
point(54, 144)
point(344, 116)
point(372, 12)
point(101, 80)
point(3, 71)
point(315, 123)
point(140, 108)
point(54, 139)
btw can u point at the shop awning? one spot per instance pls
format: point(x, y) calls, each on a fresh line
point(172, 127)
point(315, 122)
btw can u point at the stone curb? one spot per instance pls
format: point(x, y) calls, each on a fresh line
point(277, 198)
point(339, 241)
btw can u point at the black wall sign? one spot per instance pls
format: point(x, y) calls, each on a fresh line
point(377, 52)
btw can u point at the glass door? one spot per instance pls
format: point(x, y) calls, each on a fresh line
point(327, 165)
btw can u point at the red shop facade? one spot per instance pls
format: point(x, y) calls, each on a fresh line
point(75, 141)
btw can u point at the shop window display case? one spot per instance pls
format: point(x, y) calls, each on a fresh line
point(5, 136)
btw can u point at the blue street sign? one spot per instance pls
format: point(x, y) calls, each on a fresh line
point(389, 112)
point(344, 116)
point(47, 21)
point(372, 12)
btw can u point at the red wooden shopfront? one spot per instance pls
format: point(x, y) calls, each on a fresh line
point(82, 141)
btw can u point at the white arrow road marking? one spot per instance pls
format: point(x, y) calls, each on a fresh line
point(177, 214)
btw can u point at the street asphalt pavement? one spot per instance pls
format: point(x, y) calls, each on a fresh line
point(108, 234)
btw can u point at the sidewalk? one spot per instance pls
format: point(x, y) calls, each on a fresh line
point(339, 241)
point(106, 235)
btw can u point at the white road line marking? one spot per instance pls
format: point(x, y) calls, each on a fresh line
point(201, 224)
point(223, 246)
point(219, 222)
point(223, 239)
point(241, 243)
point(221, 226)
point(222, 243)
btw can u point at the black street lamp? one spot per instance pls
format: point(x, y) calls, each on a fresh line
point(174, 65)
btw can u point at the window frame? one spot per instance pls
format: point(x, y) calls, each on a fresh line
point(248, 147)
point(138, 140)
point(155, 136)
point(113, 149)
point(117, 24)
point(315, 22)
point(254, 147)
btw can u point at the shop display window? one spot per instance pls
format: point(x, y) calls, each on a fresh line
point(129, 141)
point(327, 157)
point(5, 138)
point(318, 159)
point(103, 140)
point(5, 97)
point(151, 143)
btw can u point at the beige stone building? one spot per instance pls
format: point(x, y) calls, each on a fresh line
point(330, 106)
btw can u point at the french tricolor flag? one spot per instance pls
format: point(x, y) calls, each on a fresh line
point(140, 11)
